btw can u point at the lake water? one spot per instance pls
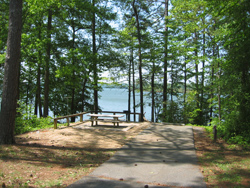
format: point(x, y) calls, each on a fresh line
point(115, 99)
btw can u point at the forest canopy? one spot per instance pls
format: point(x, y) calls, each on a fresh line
point(192, 56)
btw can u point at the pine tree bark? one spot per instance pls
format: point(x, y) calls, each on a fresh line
point(203, 67)
point(165, 80)
point(129, 84)
point(73, 110)
point(133, 77)
point(140, 60)
point(198, 120)
point(11, 69)
point(83, 94)
point(212, 87)
point(185, 90)
point(219, 87)
point(153, 93)
point(38, 89)
point(46, 81)
point(94, 61)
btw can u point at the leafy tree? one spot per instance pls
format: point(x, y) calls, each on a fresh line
point(139, 55)
point(125, 42)
point(166, 46)
point(187, 41)
point(232, 29)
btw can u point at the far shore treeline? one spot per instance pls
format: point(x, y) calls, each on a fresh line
point(192, 57)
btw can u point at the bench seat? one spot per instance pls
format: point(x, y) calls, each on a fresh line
point(106, 120)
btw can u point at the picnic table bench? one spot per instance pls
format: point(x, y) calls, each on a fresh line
point(102, 117)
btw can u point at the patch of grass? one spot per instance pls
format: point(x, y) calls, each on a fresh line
point(223, 166)
point(232, 146)
point(230, 178)
point(224, 170)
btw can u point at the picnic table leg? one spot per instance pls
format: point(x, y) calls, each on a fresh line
point(96, 121)
point(92, 121)
point(116, 120)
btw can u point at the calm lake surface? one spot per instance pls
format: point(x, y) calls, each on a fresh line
point(115, 99)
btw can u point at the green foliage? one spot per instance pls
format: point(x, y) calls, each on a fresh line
point(208, 128)
point(173, 113)
point(229, 130)
point(238, 139)
point(191, 112)
point(207, 44)
point(2, 58)
point(26, 122)
point(193, 115)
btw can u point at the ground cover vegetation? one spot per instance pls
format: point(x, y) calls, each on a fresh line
point(222, 164)
point(192, 56)
point(56, 158)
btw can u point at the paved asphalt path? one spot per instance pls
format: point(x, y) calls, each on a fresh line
point(160, 156)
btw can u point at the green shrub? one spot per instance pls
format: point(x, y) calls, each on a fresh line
point(243, 141)
point(231, 130)
point(26, 122)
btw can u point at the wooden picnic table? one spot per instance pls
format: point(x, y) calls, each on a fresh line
point(103, 117)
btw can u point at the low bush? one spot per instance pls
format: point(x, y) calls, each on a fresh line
point(26, 122)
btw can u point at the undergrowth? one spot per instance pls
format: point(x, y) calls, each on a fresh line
point(26, 121)
point(243, 141)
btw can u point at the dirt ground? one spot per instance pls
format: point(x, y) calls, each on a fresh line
point(223, 165)
point(59, 157)
point(82, 135)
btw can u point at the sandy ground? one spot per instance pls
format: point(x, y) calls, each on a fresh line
point(82, 135)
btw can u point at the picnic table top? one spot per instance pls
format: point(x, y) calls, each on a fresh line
point(104, 115)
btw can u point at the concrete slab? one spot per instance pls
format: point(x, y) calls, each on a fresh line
point(94, 182)
point(158, 156)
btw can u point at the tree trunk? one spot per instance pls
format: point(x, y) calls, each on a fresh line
point(219, 92)
point(38, 104)
point(185, 90)
point(46, 80)
point(212, 88)
point(72, 104)
point(83, 94)
point(129, 83)
point(153, 93)
point(171, 112)
point(140, 60)
point(172, 84)
point(203, 67)
point(11, 69)
point(133, 69)
point(198, 120)
point(73, 110)
point(94, 61)
point(165, 79)
point(196, 70)
point(39, 89)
